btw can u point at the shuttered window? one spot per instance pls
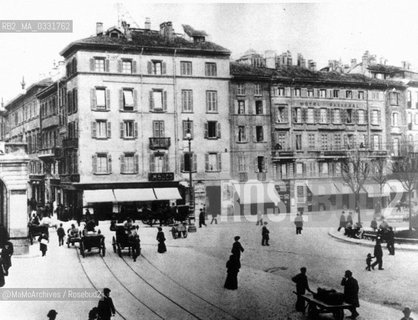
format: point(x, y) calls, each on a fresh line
point(189, 162)
point(187, 100)
point(186, 68)
point(213, 162)
point(158, 100)
point(212, 130)
point(212, 101)
point(129, 163)
point(210, 69)
point(102, 163)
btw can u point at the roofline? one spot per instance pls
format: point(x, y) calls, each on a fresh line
point(44, 92)
point(76, 46)
point(23, 95)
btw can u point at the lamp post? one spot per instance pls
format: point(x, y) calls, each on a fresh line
point(192, 227)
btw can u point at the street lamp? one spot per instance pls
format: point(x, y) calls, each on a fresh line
point(189, 137)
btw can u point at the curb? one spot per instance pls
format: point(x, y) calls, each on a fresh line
point(366, 243)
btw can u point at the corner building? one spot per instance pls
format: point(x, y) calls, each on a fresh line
point(131, 97)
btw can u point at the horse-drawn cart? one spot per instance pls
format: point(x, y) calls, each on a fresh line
point(126, 238)
point(93, 240)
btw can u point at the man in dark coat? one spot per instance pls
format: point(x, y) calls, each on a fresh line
point(237, 247)
point(351, 292)
point(378, 253)
point(390, 241)
point(202, 218)
point(265, 235)
point(302, 285)
point(342, 221)
point(106, 309)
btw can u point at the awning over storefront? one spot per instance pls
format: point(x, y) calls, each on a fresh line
point(167, 193)
point(131, 195)
point(99, 195)
point(373, 190)
point(345, 189)
point(396, 186)
point(256, 193)
point(322, 188)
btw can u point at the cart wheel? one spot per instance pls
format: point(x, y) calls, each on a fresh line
point(82, 249)
point(114, 244)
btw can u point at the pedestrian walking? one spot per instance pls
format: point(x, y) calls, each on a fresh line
point(302, 285)
point(6, 256)
point(351, 290)
point(43, 243)
point(406, 314)
point(259, 218)
point(299, 223)
point(237, 247)
point(342, 221)
point(265, 235)
point(202, 218)
point(369, 262)
point(161, 241)
point(61, 235)
point(378, 253)
point(52, 314)
point(233, 265)
point(105, 308)
point(214, 218)
point(390, 241)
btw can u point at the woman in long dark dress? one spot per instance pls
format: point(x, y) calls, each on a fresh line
point(161, 239)
point(233, 265)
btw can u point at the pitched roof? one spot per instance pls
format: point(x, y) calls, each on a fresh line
point(40, 84)
point(240, 70)
point(149, 40)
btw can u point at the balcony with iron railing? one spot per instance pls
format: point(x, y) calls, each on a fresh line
point(53, 152)
point(159, 143)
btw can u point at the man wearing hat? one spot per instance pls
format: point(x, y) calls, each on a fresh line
point(237, 247)
point(351, 290)
point(407, 313)
point(106, 309)
point(52, 314)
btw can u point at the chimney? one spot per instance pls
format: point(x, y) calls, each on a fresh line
point(311, 65)
point(166, 30)
point(147, 24)
point(99, 28)
point(270, 56)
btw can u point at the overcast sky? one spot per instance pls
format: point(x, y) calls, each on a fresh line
point(319, 30)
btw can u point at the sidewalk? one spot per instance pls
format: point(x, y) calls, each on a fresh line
point(367, 243)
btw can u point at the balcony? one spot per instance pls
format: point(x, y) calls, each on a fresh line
point(53, 152)
point(70, 143)
point(159, 143)
point(161, 176)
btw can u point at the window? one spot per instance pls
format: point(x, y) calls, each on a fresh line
point(395, 119)
point(241, 107)
point(297, 115)
point(189, 162)
point(298, 141)
point(300, 193)
point(241, 89)
point(129, 163)
point(375, 95)
point(242, 167)
point(186, 68)
point(297, 92)
point(336, 116)
point(394, 98)
point(323, 115)
point(159, 162)
point(323, 168)
point(102, 163)
point(129, 129)
point(376, 142)
point(156, 67)
point(322, 93)
point(349, 94)
point(260, 164)
point(337, 141)
point(311, 141)
point(375, 117)
point(187, 125)
point(99, 64)
point(361, 116)
point(299, 169)
point(211, 101)
point(213, 162)
point(281, 114)
point(324, 141)
point(349, 141)
point(158, 100)
point(349, 116)
point(395, 147)
point(242, 134)
point(360, 95)
point(101, 129)
point(259, 134)
point(310, 93)
point(283, 171)
point(210, 69)
point(212, 130)
point(128, 102)
point(100, 95)
point(257, 89)
point(158, 129)
point(310, 115)
point(259, 107)
point(127, 66)
point(280, 141)
point(409, 118)
point(280, 92)
point(335, 93)
point(187, 100)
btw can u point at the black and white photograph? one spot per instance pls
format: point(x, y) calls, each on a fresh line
point(208, 160)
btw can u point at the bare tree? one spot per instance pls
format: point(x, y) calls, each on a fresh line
point(406, 171)
point(355, 170)
point(379, 175)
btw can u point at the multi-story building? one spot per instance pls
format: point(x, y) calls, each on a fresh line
point(23, 126)
point(132, 98)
